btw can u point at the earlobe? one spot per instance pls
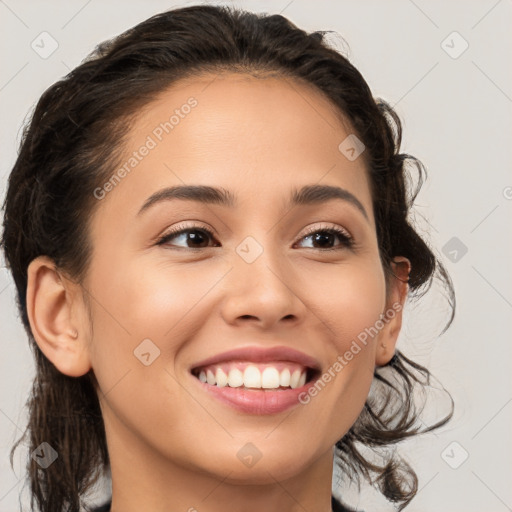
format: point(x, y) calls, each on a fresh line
point(392, 316)
point(54, 318)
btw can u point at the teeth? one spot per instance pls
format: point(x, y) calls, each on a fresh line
point(294, 379)
point(284, 378)
point(252, 377)
point(270, 378)
point(235, 378)
point(210, 378)
point(222, 378)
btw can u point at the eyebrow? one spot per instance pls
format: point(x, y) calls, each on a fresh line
point(307, 195)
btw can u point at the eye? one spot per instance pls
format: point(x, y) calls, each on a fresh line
point(325, 236)
point(193, 234)
point(199, 236)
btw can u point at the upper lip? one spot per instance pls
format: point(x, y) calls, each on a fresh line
point(258, 354)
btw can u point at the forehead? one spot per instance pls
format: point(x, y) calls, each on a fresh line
point(256, 136)
point(247, 109)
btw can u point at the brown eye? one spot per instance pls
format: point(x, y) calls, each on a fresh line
point(198, 237)
point(195, 237)
point(326, 236)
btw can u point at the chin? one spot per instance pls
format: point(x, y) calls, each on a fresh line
point(249, 467)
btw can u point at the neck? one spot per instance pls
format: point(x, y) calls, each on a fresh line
point(143, 479)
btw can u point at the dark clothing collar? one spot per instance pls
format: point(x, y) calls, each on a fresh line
point(336, 507)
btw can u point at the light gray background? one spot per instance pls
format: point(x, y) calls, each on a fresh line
point(456, 116)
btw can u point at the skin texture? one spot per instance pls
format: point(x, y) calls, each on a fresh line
point(172, 447)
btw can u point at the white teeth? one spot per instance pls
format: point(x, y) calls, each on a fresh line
point(294, 379)
point(235, 378)
point(252, 377)
point(284, 378)
point(222, 378)
point(210, 378)
point(270, 378)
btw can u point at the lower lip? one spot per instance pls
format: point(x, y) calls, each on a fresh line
point(256, 401)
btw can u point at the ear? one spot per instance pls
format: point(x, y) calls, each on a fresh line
point(392, 317)
point(56, 315)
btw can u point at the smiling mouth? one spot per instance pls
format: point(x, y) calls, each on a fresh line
point(274, 376)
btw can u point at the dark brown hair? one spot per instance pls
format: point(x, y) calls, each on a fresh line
point(74, 141)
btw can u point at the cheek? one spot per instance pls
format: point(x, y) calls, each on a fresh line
point(139, 327)
point(143, 322)
point(137, 303)
point(352, 299)
point(169, 305)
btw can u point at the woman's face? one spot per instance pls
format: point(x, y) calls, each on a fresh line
point(167, 315)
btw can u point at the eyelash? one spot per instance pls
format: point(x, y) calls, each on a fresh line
point(347, 242)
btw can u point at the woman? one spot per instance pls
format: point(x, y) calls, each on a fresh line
point(207, 228)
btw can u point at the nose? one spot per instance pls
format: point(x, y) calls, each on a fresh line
point(265, 292)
